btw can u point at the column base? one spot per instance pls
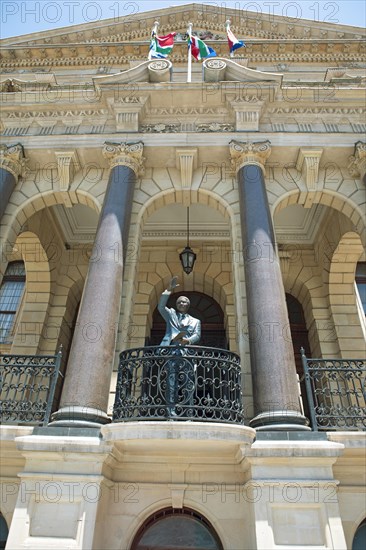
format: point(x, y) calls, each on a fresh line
point(79, 417)
point(280, 421)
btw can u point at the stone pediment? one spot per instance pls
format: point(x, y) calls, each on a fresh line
point(124, 39)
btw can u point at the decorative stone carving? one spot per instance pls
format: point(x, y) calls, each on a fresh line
point(308, 162)
point(12, 159)
point(247, 114)
point(215, 127)
point(128, 110)
point(160, 70)
point(160, 128)
point(125, 154)
point(186, 160)
point(67, 165)
point(249, 153)
point(357, 161)
point(214, 70)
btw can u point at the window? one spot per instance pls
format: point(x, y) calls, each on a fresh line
point(361, 283)
point(173, 529)
point(10, 295)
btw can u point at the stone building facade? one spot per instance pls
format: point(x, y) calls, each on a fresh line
point(103, 153)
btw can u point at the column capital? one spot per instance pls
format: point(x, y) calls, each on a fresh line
point(248, 152)
point(12, 159)
point(125, 154)
point(357, 161)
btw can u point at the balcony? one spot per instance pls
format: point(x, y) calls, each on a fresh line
point(196, 384)
point(179, 383)
point(27, 387)
point(336, 392)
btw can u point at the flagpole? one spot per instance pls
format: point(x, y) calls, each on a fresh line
point(227, 24)
point(154, 32)
point(189, 31)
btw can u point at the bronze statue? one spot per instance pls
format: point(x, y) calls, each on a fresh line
point(181, 330)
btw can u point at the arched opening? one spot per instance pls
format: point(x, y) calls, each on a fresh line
point(202, 307)
point(300, 339)
point(173, 529)
point(359, 540)
point(3, 532)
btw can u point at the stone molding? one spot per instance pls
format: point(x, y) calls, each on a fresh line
point(307, 163)
point(186, 161)
point(125, 154)
point(357, 161)
point(12, 160)
point(67, 165)
point(244, 153)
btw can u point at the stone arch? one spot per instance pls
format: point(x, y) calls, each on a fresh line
point(64, 304)
point(164, 198)
point(342, 296)
point(312, 294)
point(149, 295)
point(12, 223)
point(338, 202)
point(37, 293)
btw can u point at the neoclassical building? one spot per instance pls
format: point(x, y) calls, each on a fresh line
point(111, 165)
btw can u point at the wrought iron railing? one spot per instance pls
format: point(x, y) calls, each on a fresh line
point(336, 392)
point(27, 387)
point(181, 383)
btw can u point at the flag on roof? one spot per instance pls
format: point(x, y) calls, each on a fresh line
point(234, 43)
point(161, 46)
point(199, 49)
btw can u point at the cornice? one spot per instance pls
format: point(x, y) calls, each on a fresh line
point(122, 54)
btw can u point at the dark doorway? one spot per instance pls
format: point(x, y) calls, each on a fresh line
point(173, 529)
point(300, 339)
point(204, 308)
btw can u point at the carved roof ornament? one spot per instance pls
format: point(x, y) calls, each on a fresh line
point(13, 160)
point(357, 161)
point(125, 154)
point(248, 152)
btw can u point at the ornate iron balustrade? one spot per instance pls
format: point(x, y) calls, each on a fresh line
point(27, 387)
point(336, 391)
point(181, 383)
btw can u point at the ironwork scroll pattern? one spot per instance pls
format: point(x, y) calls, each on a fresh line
point(27, 387)
point(208, 384)
point(336, 390)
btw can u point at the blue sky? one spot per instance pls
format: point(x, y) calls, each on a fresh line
point(26, 16)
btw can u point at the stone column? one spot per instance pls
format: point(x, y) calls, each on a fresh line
point(275, 385)
point(12, 163)
point(85, 394)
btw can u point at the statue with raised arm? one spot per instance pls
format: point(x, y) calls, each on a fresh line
point(181, 330)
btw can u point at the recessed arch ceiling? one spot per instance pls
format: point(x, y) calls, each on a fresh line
point(292, 224)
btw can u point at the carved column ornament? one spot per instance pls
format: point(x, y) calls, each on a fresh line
point(357, 162)
point(186, 162)
point(307, 163)
point(243, 154)
point(12, 160)
point(125, 154)
point(68, 165)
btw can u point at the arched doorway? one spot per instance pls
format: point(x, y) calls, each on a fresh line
point(300, 339)
point(172, 529)
point(202, 307)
